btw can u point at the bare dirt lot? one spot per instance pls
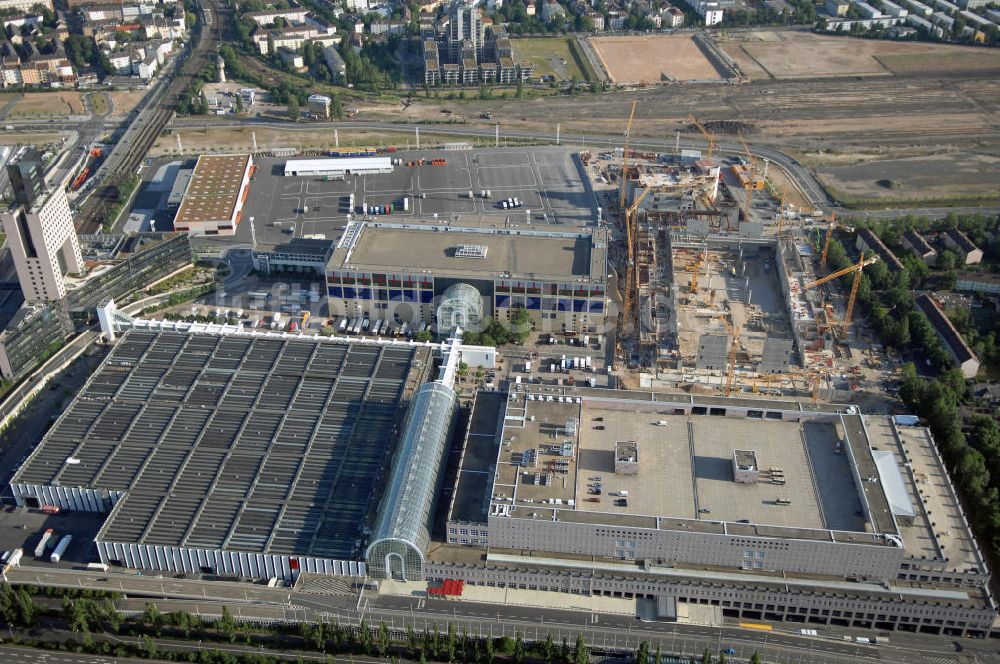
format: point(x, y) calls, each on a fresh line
point(35, 104)
point(787, 55)
point(550, 55)
point(654, 59)
point(888, 118)
point(22, 137)
point(125, 100)
point(915, 178)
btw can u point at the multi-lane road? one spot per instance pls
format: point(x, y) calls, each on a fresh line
point(602, 631)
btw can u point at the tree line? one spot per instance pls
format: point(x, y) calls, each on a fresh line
point(92, 616)
point(971, 450)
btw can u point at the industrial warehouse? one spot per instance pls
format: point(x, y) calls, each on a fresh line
point(338, 168)
point(759, 509)
point(213, 200)
point(218, 451)
point(407, 273)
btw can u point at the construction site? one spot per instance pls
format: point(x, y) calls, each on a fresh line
point(724, 287)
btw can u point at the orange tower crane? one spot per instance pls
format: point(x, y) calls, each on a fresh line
point(857, 268)
point(815, 381)
point(632, 242)
point(625, 148)
point(781, 213)
point(826, 242)
point(731, 360)
point(631, 271)
point(695, 269)
point(749, 179)
point(709, 136)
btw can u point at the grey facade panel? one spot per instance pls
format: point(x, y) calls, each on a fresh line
point(78, 499)
point(888, 610)
point(222, 563)
point(34, 335)
point(712, 351)
point(670, 546)
point(145, 266)
point(777, 355)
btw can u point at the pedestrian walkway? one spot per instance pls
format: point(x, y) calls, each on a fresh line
point(9, 106)
point(324, 585)
point(518, 597)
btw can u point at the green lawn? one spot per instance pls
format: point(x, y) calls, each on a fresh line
point(99, 103)
point(550, 55)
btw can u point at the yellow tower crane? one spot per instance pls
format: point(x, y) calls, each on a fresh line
point(781, 213)
point(815, 380)
point(632, 243)
point(749, 178)
point(709, 136)
point(753, 176)
point(731, 360)
point(826, 242)
point(625, 149)
point(856, 269)
point(695, 270)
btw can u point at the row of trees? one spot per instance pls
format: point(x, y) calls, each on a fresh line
point(499, 334)
point(991, 34)
point(93, 615)
point(971, 453)
point(375, 68)
point(983, 336)
point(283, 92)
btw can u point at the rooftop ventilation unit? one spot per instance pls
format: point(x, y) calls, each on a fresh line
point(471, 251)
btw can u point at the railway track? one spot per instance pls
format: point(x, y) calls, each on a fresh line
point(139, 137)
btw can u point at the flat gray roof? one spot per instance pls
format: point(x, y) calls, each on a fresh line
point(520, 254)
point(471, 498)
point(237, 443)
point(685, 479)
point(686, 466)
point(860, 446)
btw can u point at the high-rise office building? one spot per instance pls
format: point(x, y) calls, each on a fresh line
point(27, 176)
point(39, 228)
point(466, 26)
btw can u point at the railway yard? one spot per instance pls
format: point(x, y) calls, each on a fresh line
point(922, 118)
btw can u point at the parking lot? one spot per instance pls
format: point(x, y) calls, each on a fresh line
point(22, 528)
point(548, 182)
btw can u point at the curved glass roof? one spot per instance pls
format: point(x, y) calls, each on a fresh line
point(406, 510)
point(461, 305)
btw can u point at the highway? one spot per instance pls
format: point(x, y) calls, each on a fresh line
point(19, 655)
point(603, 631)
point(191, 589)
point(22, 655)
